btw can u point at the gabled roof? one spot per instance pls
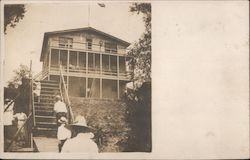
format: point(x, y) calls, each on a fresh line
point(88, 29)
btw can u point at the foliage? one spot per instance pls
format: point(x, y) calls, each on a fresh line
point(139, 118)
point(12, 14)
point(140, 64)
point(22, 72)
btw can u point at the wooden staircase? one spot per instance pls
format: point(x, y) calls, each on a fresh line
point(45, 120)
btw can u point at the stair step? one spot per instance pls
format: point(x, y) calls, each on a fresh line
point(49, 81)
point(46, 129)
point(47, 117)
point(44, 112)
point(48, 120)
point(43, 103)
point(44, 108)
point(49, 84)
point(50, 88)
point(48, 95)
point(46, 125)
point(51, 98)
point(49, 91)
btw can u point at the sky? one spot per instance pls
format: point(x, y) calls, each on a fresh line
point(24, 42)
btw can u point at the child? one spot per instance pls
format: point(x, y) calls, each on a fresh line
point(63, 133)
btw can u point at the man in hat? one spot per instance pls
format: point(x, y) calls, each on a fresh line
point(82, 142)
point(63, 132)
point(60, 109)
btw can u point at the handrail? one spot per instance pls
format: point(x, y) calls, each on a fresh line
point(18, 131)
point(41, 74)
point(7, 107)
point(71, 116)
point(32, 102)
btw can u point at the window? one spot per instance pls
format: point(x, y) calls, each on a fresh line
point(89, 44)
point(110, 47)
point(65, 42)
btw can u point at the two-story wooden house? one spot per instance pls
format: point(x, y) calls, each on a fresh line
point(93, 62)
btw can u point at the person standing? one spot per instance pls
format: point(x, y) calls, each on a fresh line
point(21, 118)
point(82, 142)
point(63, 132)
point(60, 109)
point(37, 90)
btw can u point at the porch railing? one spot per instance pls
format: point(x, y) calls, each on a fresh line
point(93, 71)
point(41, 75)
point(87, 47)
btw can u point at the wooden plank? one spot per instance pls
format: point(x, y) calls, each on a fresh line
point(45, 144)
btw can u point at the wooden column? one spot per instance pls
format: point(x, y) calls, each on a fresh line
point(101, 74)
point(101, 63)
point(101, 88)
point(77, 59)
point(68, 72)
point(67, 83)
point(87, 62)
point(118, 89)
point(94, 61)
point(86, 94)
point(68, 61)
point(59, 57)
point(49, 63)
point(118, 84)
point(118, 67)
point(109, 63)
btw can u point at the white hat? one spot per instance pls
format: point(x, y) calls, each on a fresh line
point(58, 97)
point(63, 120)
point(80, 122)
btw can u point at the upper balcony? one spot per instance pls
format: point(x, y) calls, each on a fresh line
point(89, 46)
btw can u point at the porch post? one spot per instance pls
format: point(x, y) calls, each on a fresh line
point(118, 89)
point(87, 64)
point(77, 59)
point(118, 84)
point(59, 57)
point(68, 72)
point(101, 63)
point(109, 63)
point(49, 63)
point(68, 62)
point(101, 88)
point(86, 94)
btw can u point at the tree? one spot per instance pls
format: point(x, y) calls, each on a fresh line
point(20, 73)
point(139, 97)
point(140, 64)
point(12, 14)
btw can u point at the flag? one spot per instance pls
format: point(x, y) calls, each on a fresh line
point(101, 4)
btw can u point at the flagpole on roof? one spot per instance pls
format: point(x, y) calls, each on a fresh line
point(88, 13)
point(100, 4)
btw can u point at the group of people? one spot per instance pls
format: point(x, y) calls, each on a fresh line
point(13, 120)
point(75, 137)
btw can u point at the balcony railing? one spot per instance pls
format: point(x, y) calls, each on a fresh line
point(92, 71)
point(87, 47)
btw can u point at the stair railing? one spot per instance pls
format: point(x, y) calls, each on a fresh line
point(65, 96)
point(41, 75)
point(12, 101)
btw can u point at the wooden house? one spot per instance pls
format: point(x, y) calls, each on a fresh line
point(94, 63)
